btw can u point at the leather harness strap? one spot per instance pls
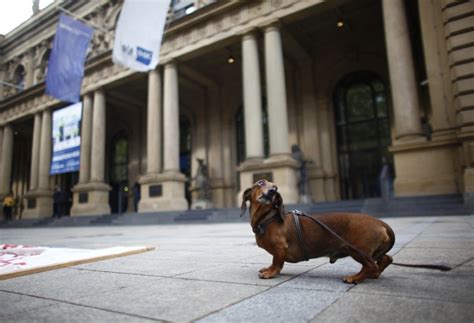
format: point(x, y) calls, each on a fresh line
point(267, 220)
point(299, 234)
point(297, 213)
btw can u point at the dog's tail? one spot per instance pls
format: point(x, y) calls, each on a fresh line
point(437, 267)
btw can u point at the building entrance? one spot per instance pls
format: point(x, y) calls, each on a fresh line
point(185, 154)
point(363, 134)
point(118, 196)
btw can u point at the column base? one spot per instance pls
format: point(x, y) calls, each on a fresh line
point(90, 199)
point(162, 192)
point(39, 204)
point(425, 168)
point(279, 169)
point(316, 182)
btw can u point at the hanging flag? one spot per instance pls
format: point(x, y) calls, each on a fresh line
point(66, 62)
point(138, 34)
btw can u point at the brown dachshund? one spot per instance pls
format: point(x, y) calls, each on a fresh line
point(295, 237)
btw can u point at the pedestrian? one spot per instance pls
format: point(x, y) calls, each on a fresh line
point(60, 200)
point(8, 204)
point(136, 196)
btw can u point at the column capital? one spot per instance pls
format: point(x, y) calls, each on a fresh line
point(272, 24)
point(169, 62)
point(251, 32)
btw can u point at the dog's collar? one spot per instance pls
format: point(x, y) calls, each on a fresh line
point(267, 220)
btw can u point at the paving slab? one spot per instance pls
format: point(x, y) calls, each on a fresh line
point(455, 286)
point(243, 274)
point(70, 284)
point(14, 303)
point(378, 308)
point(173, 299)
point(62, 312)
point(277, 305)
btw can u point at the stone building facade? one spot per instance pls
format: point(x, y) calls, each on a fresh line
point(359, 86)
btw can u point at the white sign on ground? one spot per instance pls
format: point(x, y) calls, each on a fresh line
point(19, 260)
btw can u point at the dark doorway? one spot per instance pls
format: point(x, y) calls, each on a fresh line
point(118, 196)
point(185, 154)
point(363, 134)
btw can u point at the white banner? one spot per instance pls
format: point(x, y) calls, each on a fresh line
point(139, 32)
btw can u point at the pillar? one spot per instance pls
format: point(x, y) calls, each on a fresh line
point(86, 140)
point(276, 92)
point(35, 152)
point(410, 147)
point(91, 195)
point(163, 191)
point(39, 199)
point(402, 71)
point(7, 158)
point(252, 97)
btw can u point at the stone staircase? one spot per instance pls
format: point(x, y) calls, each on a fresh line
point(395, 207)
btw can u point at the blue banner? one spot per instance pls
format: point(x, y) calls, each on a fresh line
point(66, 139)
point(66, 62)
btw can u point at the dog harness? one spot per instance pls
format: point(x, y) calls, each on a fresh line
point(267, 220)
point(299, 233)
point(296, 214)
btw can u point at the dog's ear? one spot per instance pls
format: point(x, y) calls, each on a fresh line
point(245, 198)
point(277, 202)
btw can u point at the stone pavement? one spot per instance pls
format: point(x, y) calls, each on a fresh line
point(208, 273)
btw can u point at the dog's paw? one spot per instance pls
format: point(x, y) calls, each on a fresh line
point(350, 280)
point(261, 270)
point(266, 275)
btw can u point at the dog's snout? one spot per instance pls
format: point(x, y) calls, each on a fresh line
point(271, 191)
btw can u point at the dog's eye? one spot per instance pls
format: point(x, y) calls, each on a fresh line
point(261, 183)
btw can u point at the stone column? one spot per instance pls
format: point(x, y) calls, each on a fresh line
point(276, 92)
point(7, 158)
point(402, 72)
point(98, 138)
point(35, 152)
point(86, 133)
point(91, 197)
point(252, 97)
point(154, 123)
point(151, 180)
point(40, 196)
point(281, 165)
point(438, 70)
point(80, 205)
point(171, 119)
point(45, 151)
point(165, 191)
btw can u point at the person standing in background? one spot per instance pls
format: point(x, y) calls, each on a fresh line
point(8, 204)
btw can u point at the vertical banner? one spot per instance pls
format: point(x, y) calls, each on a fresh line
point(66, 62)
point(66, 139)
point(139, 33)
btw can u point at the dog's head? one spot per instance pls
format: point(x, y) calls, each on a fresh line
point(262, 194)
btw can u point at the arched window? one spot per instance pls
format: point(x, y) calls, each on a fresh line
point(19, 77)
point(363, 134)
point(43, 66)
